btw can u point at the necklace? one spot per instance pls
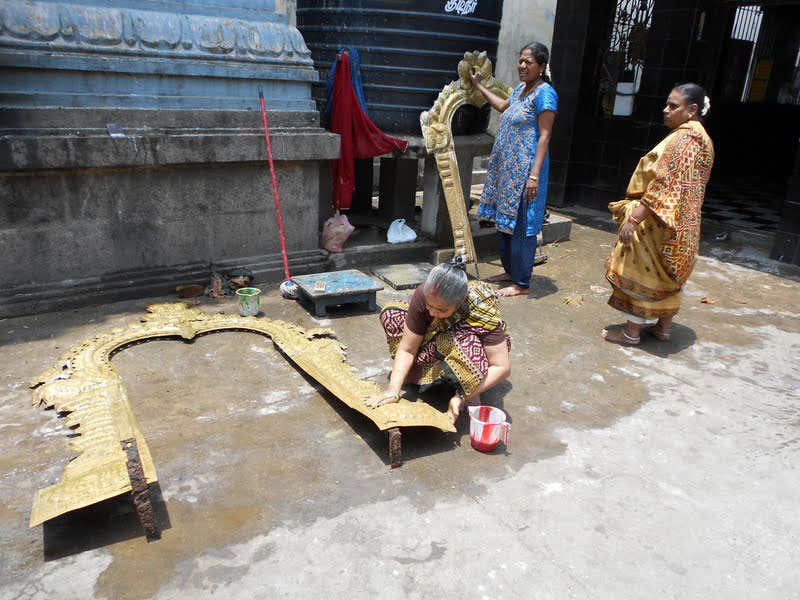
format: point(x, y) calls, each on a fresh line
point(525, 92)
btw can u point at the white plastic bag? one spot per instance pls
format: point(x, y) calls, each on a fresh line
point(399, 232)
point(335, 232)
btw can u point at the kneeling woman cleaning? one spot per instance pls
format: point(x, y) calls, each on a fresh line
point(450, 332)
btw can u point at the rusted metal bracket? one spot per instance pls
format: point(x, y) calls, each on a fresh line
point(140, 493)
point(395, 450)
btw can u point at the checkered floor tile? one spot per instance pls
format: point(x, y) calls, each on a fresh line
point(743, 205)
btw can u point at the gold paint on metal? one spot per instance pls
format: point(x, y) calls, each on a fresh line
point(85, 384)
point(437, 132)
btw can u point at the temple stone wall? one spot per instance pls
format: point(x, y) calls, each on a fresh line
point(132, 152)
point(127, 220)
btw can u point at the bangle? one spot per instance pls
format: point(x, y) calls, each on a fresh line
point(533, 178)
point(634, 221)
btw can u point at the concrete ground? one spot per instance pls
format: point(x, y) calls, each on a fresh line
point(664, 471)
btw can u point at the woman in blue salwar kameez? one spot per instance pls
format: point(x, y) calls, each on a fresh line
point(515, 190)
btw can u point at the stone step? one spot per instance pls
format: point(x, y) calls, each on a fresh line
point(557, 229)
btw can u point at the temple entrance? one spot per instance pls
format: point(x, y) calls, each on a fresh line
point(621, 58)
point(755, 122)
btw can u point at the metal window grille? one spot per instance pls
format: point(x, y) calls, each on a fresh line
point(755, 38)
point(747, 23)
point(623, 61)
point(746, 27)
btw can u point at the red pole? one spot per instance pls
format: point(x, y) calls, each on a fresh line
point(274, 183)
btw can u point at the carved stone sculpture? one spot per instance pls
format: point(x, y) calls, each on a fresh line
point(72, 27)
point(113, 457)
point(436, 129)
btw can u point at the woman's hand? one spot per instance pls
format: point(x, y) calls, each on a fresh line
point(626, 233)
point(386, 397)
point(476, 78)
point(531, 190)
point(495, 101)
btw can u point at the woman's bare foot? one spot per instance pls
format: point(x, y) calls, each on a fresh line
point(498, 278)
point(618, 336)
point(454, 408)
point(512, 290)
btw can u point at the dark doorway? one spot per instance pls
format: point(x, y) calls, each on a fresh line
point(621, 58)
point(755, 120)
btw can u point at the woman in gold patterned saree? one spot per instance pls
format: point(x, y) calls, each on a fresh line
point(659, 219)
point(450, 332)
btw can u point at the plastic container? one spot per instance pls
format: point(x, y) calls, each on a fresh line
point(487, 425)
point(248, 301)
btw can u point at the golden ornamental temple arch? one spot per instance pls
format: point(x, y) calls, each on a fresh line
point(112, 454)
point(438, 134)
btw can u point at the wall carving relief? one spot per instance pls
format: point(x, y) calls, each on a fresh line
point(112, 454)
point(60, 26)
point(436, 130)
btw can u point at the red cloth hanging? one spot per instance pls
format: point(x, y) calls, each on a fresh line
point(360, 137)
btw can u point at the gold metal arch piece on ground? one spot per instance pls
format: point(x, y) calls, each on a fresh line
point(436, 129)
point(113, 457)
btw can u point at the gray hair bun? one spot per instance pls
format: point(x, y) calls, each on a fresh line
point(458, 261)
point(448, 281)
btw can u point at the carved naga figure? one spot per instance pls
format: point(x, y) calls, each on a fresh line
point(436, 129)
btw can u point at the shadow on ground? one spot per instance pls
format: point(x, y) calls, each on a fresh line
point(747, 249)
point(100, 525)
point(100, 318)
point(417, 442)
point(541, 287)
point(682, 337)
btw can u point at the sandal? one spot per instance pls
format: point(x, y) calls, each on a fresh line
point(623, 340)
point(663, 336)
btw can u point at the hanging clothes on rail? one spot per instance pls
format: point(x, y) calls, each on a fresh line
point(360, 137)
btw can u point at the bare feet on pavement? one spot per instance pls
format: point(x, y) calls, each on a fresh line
point(512, 290)
point(498, 278)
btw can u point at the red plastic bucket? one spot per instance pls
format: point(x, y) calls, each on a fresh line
point(487, 425)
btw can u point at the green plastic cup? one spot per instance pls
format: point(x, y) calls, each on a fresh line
point(248, 301)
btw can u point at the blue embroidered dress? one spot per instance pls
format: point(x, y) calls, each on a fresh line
point(512, 160)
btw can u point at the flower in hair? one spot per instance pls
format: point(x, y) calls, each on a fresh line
point(706, 106)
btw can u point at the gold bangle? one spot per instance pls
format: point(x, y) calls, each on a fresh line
point(532, 178)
